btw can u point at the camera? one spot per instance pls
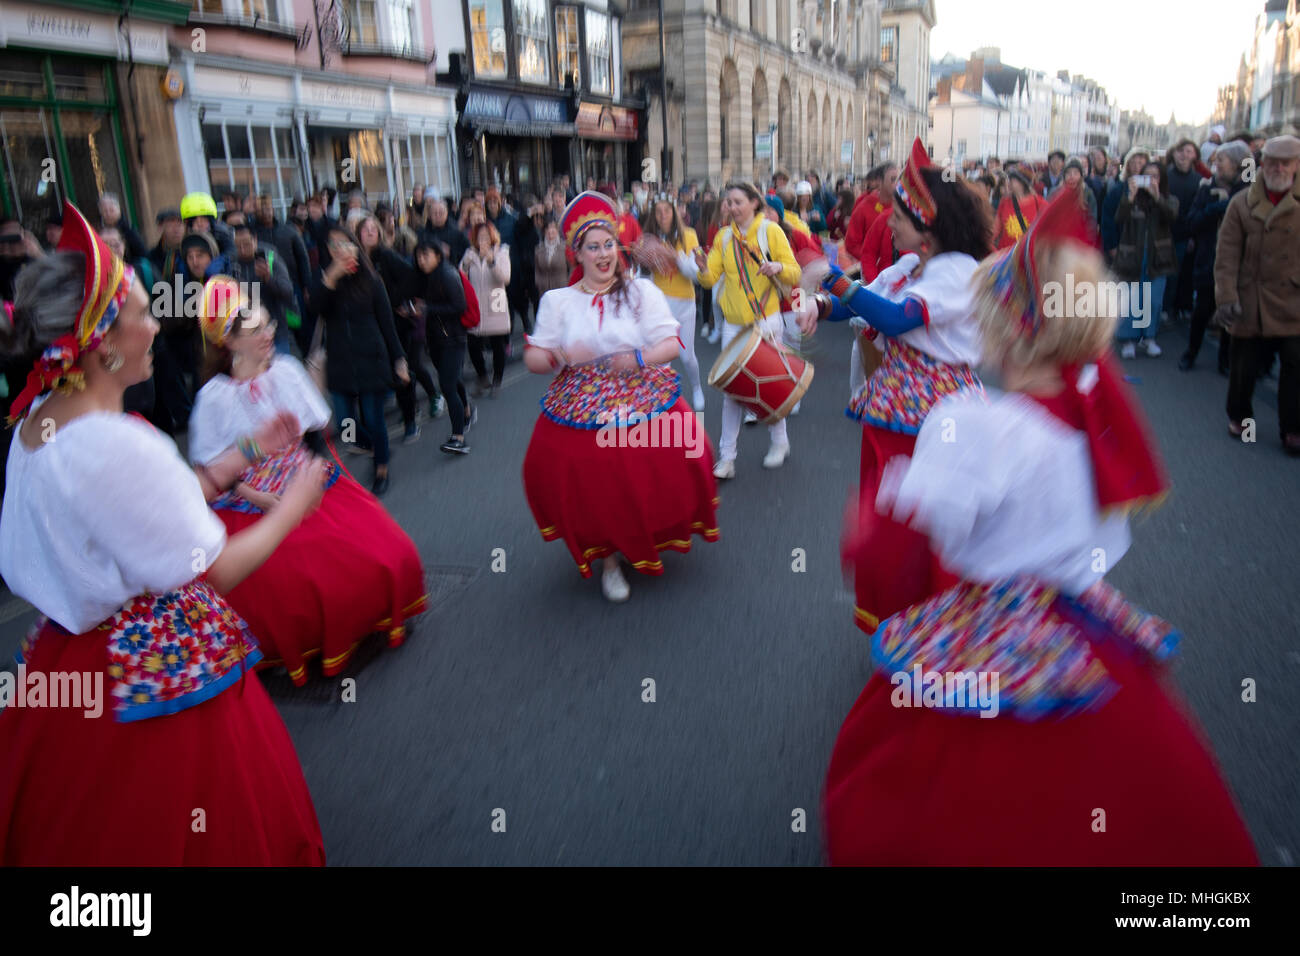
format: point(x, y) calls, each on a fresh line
point(1142, 181)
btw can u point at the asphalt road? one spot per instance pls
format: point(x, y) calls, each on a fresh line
point(520, 696)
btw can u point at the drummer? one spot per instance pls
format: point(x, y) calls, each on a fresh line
point(674, 273)
point(753, 260)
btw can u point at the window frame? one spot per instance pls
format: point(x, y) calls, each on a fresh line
point(567, 11)
point(590, 15)
point(543, 36)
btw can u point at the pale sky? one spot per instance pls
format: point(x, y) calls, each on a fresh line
point(1162, 55)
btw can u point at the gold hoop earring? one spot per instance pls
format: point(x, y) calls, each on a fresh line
point(112, 361)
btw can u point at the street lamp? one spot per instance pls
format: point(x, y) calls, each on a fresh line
point(871, 145)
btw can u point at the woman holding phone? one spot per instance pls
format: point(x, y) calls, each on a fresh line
point(1145, 256)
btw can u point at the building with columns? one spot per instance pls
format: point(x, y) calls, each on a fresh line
point(753, 85)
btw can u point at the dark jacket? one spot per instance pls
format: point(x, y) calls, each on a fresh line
point(293, 251)
point(521, 254)
point(1145, 249)
point(444, 303)
point(276, 293)
point(457, 242)
point(1183, 187)
point(361, 344)
point(1202, 224)
point(1098, 186)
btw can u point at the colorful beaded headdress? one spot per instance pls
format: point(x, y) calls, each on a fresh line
point(107, 284)
point(587, 209)
point(911, 187)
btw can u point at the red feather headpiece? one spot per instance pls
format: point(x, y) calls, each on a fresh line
point(911, 188)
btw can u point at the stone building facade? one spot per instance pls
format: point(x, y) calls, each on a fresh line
point(811, 75)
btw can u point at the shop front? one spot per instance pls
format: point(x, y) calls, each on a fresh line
point(516, 141)
point(63, 109)
point(277, 131)
point(604, 134)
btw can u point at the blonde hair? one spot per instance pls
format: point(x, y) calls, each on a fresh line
point(1061, 338)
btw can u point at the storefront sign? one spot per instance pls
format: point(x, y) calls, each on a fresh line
point(346, 97)
point(494, 109)
point(600, 121)
point(53, 28)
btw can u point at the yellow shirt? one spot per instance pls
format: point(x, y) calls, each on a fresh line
point(722, 266)
point(674, 284)
point(794, 222)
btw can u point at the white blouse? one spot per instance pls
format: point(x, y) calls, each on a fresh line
point(944, 286)
point(566, 318)
point(1005, 488)
point(105, 511)
point(228, 408)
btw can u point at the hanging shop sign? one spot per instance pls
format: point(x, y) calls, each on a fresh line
point(601, 121)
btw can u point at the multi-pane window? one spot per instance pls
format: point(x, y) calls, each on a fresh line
point(567, 50)
point(598, 53)
point(888, 44)
point(487, 25)
point(363, 24)
point(532, 39)
point(254, 159)
point(426, 159)
point(401, 14)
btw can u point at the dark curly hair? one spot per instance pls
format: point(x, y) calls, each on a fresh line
point(963, 221)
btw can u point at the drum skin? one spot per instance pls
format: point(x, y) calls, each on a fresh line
point(764, 377)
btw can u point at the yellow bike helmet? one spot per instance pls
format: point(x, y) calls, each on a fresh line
point(198, 204)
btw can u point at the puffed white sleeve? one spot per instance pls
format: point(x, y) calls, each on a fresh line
point(945, 288)
point(140, 504)
point(961, 468)
point(654, 318)
point(209, 424)
point(548, 329)
point(296, 392)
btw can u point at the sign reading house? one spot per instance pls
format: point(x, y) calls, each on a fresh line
point(516, 114)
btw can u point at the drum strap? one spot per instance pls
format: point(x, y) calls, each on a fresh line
point(757, 305)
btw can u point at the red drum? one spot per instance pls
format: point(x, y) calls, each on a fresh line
point(763, 376)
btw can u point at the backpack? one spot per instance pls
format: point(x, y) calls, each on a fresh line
point(471, 316)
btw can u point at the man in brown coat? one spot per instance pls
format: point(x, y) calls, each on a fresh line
point(1257, 287)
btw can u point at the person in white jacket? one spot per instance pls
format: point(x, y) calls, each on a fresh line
point(487, 264)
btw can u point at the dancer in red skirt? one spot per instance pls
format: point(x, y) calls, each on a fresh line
point(920, 314)
point(618, 462)
point(1023, 716)
point(345, 572)
point(169, 754)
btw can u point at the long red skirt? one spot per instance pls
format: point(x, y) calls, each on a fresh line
point(91, 791)
point(347, 571)
point(912, 786)
point(894, 567)
point(634, 501)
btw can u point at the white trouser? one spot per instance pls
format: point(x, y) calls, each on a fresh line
point(683, 311)
point(790, 330)
point(732, 412)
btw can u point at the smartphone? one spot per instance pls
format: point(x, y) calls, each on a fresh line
point(1142, 182)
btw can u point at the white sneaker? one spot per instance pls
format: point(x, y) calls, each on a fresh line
point(715, 336)
point(614, 585)
point(1152, 349)
point(795, 410)
point(750, 417)
point(699, 399)
point(1128, 351)
point(776, 456)
point(726, 468)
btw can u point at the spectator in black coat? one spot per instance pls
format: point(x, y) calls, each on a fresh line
point(1202, 227)
point(362, 353)
point(438, 294)
point(441, 229)
point(1184, 180)
point(260, 266)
